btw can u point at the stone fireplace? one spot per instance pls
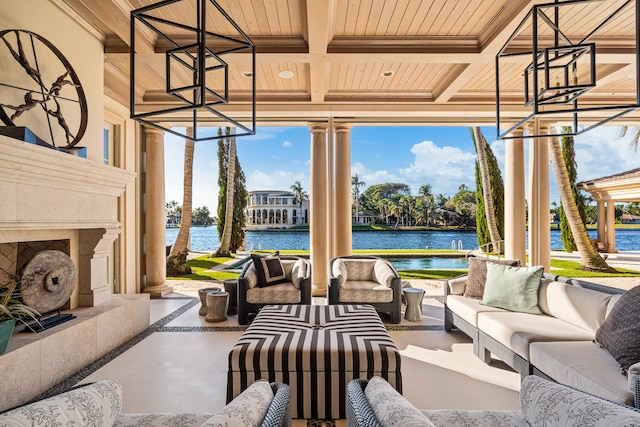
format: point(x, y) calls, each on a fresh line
point(55, 200)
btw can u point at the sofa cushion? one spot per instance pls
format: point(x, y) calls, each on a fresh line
point(282, 293)
point(620, 332)
point(246, 410)
point(468, 308)
point(579, 306)
point(269, 268)
point(517, 330)
point(95, 404)
point(364, 291)
point(141, 420)
point(583, 365)
point(545, 403)
point(298, 272)
point(513, 288)
point(477, 276)
point(390, 408)
point(251, 276)
point(475, 418)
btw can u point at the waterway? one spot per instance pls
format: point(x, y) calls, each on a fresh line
point(206, 239)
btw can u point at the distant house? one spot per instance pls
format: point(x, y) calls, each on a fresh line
point(275, 209)
point(630, 218)
point(364, 218)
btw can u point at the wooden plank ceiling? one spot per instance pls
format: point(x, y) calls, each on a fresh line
point(367, 61)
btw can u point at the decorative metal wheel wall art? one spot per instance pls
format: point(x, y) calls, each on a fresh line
point(40, 90)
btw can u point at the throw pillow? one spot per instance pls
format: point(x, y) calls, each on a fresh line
point(619, 334)
point(390, 408)
point(513, 288)
point(477, 276)
point(269, 268)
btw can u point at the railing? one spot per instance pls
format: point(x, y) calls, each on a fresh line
point(484, 249)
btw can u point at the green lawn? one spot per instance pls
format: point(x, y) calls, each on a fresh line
point(560, 267)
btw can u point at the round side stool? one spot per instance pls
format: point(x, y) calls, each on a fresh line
point(202, 293)
point(413, 312)
point(217, 304)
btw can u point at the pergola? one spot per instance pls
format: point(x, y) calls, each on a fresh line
point(333, 64)
point(621, 187)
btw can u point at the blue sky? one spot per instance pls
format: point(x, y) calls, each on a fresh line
point(444, 157)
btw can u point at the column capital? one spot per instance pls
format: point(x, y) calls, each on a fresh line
point(519, 132)
point(150, 130)
point(317, 127)
point(342, 127)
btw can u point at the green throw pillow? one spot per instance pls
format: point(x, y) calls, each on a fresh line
point(513, 288)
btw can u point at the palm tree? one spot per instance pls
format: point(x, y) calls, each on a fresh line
point(299, 195)
point(356, 184)
point(427, 197)
point(225, 243)
point(590, 260)
point(182, 240)
point(487, 190)
point(383, 207)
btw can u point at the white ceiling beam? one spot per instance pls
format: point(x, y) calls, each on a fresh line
point(319, 19)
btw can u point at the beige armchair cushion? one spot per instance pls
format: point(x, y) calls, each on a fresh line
point(282, 293)
point(383, 273)
point(251, 276)
point(297, 273)
point(359, 291)
point(339, 271)
point(246, 410)
point(360, 269)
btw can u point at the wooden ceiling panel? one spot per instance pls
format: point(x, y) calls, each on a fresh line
point(441, 54)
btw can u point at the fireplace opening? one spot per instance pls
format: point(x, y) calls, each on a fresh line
point(47, 278)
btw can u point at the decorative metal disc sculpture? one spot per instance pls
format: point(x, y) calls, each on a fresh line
point(39, 89)
point(48, 281)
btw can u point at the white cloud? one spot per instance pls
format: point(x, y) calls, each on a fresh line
point(287, 144)
point(444, 168)
point(370, 177)
point(278, 180)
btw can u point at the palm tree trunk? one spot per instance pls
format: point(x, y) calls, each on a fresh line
point(225, 244)
point(182, 240)
point(590, 260)
point(487, 191)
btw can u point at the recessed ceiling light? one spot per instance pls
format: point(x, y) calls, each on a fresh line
point(388, 73)
point(247, 73)
point(286, 74)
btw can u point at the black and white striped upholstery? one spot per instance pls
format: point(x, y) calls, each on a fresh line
point(316, 350)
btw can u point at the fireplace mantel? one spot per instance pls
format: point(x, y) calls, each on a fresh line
point(50, 195)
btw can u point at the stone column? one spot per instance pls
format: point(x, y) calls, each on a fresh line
point(602, 222)
point(539, 227)
point(611, 227)
point(154, 211)
point(515, 217)
point(318, 235)
point(342, 195)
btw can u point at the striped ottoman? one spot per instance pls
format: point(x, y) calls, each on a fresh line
point(316, 350)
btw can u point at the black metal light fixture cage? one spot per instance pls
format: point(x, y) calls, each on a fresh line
point(563, 71)
point(192, 70)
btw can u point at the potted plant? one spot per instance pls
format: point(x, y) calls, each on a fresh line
point(12, 309)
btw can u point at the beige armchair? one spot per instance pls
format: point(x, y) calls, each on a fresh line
point(366, 280)
point(295, 289)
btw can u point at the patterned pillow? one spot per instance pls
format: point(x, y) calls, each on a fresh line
point(619, 334)
point(269, 268)
point(477, 276)
point(545, 403)
point(246, 410)
point(95, 404)
point(390, 408)
point(339, 271)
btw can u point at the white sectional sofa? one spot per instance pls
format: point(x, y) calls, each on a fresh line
point(99, 404)
point(557, 344)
